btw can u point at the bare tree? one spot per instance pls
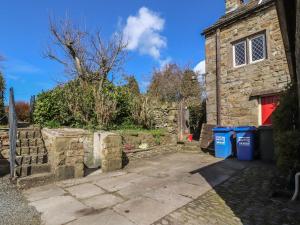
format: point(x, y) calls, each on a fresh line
point(166, 83)
point(85, 56)
point(91, 62)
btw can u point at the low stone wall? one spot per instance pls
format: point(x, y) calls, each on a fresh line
point(70, 150)
point(143, 144)
point(149, 152)
point(4, 144)
point(134, 140)
point(66, 150)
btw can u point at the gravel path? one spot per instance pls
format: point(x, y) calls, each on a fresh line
point(14, 209)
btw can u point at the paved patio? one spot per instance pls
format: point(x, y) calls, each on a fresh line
point(140, 194)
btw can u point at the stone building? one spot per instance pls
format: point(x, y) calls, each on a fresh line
point(289, 17)
point(246, 64)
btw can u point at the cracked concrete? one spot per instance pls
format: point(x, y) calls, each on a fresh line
point(140, 194)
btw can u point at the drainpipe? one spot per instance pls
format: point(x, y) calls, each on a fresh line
point(218, 69)
point(297, 176)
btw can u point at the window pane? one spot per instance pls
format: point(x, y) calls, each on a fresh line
point(257, 48)
point(239, 53)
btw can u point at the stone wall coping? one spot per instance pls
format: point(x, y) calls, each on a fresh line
point(66, 132)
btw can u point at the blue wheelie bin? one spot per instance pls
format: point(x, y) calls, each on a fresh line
point(223, 141)
point(245, 142)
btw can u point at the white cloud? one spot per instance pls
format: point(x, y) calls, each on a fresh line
point(200, 68)
point(142, 33)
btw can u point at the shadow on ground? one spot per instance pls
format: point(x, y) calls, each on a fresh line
point(245, 198)
point(4, 167)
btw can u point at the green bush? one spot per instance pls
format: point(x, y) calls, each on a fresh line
point(79, 104)
point(286, 132)
point(288, 151)
point(51, 109)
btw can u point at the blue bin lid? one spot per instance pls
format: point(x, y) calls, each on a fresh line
point(244, 128)
point(222, 129)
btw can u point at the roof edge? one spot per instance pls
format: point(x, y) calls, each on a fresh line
point(257, 8)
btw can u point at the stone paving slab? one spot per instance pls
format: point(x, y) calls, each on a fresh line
point(107, 217)
point(141, 194)
point(43, 192)
point(59, 209)
point(85, 190)
point(102, 201)
point(142, 210)
point(112, 184)
point(88, 179)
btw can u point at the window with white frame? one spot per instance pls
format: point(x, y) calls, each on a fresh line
point(257, 48)
point(239, 53)
point(249, 50)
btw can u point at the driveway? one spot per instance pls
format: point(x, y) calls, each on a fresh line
point(141, 194)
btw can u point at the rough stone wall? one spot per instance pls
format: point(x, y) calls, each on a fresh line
point(237, 84)
point(66, 151)
point(133, 140)
point(151, 152)
point(4, 144)
point(166, 117)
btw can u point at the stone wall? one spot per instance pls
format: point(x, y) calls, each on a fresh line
point(4, 144)
point(238, 84)
point(150, 152)
point(166, 117)
point(71, 150)
point(110, 149)
point(66, 150)
point(137, 145)
point(4, 152)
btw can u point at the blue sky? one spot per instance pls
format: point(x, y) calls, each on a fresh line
point(159, 31)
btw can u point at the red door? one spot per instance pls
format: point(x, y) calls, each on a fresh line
point(268, 106)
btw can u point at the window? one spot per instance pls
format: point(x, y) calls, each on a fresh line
point(239, 54)
point(249, 50)
point(257, 48)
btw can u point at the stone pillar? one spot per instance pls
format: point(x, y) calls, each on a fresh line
point(110, 148)
point(66, 151)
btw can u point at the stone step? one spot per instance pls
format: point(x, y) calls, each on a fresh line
point(191, 147)
point(193, 143)
point(30, 142)
point(27, 170)
point(23, 151)
point(31, 169)
point(29, 133)
point(33, 150)
point(35, 180)
point(32, 159)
